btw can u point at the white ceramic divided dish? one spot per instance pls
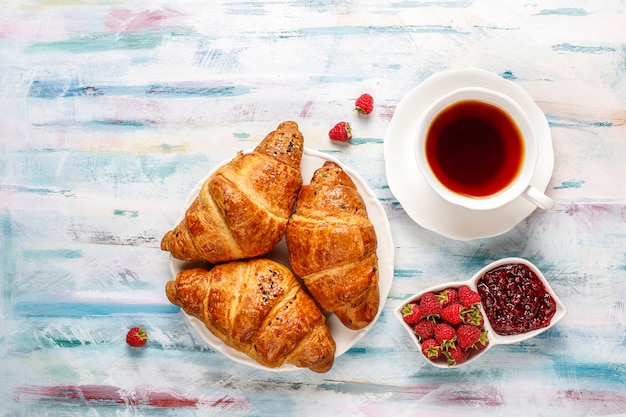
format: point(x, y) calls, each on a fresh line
point(494, 338)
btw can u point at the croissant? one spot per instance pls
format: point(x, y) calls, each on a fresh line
point(242, 209)
point(332, 247)
point(258, 308)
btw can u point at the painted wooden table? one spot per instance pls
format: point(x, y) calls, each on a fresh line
point(113, 110)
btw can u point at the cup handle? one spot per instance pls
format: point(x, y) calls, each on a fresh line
point(538, 198)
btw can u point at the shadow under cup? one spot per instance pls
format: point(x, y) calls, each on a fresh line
point(477, 149)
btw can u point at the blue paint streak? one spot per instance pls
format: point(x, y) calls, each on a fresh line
point(569, 184)
point(611, 374)
point(242, 135)
point(406, 273)
point(366, 31)
point(89, 309)
point(361, 141)
point(78, 167)
point(575, 123)
point(168, 148)
point(7, 262)
point(100, 42)
point(247, 8)
point(53, 253)
point(53, 89)
point(35, 190)
point(119, 122)
point(568, 47)
point(508, 75)
point(191, 90)
point(564, 11)
point(336, 79)
point(126, 213)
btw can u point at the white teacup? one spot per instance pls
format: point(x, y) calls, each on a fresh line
point(477, 149)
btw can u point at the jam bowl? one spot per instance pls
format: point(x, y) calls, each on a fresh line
point(509, 301)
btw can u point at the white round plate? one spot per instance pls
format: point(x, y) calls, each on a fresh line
point(408, 185)
point(344, 337)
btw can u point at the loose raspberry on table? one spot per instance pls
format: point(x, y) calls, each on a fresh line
point(341, 132)
point(364, 104)
point(136, 337)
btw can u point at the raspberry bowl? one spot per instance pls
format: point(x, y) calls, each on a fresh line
point(508, 301)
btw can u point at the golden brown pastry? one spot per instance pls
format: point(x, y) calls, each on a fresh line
point(259, 308)
point(332, 247)
point(243, 208)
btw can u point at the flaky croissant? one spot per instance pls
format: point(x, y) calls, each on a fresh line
point(260, 309)
point(243, 208)
point(332, 247)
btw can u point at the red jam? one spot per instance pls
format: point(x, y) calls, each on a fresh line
point(515, 300)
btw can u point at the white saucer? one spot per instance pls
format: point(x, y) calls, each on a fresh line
point(344, 337)
point(407, 184)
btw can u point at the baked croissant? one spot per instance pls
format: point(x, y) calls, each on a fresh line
point(243, 208)
point(332, 247)
point(259, 308)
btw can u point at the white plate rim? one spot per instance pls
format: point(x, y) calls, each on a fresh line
point(344, 337)
point(420, 202)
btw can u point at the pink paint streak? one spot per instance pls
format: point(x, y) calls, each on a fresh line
point(31, 29)
point(107, 395)
point(124, 20)
point(386, 112)
point(595, 402)
point(306, 111)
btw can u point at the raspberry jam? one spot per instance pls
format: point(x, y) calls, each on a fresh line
point(515, 300)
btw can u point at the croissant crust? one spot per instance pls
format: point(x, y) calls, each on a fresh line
point(332, 247)
point(260, 309)
point(242, 209)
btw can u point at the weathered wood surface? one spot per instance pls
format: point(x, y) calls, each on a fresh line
point(112, 111)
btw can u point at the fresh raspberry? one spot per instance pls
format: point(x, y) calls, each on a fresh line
point(456, 355)
point(136, 337)
point(429, 306)
point(445, 335)
point(431, 349)
point(425, 329)
point(448, 296)
point(341, 132)
point(453, 314)
point(467, 335)
point(467, 296)
point(411, 313)
point(364, 104)
point(474, 316)
point(483, 341)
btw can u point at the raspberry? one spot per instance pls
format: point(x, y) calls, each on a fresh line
point(364, 104)
point(411, 313)
point(341, 132)
point(136, 337)
point(425, 329)
point(448, 296)
point(453, 314)
point(467, 335)
point(431, 349)
point(456, 355)
point(468, 297)
point(445, 335)
point(429, 305)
